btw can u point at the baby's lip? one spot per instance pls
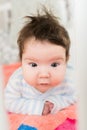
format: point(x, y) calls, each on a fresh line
point(44, 83)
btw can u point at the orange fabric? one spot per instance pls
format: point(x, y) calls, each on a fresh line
point(7, 70)
point(49, 122)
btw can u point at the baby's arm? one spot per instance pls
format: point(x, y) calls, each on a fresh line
point(48, 106)
point(16, 103)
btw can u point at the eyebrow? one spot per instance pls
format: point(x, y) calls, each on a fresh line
point(52, 59)
point(57, 58)
point(32, 59)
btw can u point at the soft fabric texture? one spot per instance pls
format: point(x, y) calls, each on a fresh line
point(68, 124)
point(7, 71)
point(49, 122)
point(26, 127)
point(64, 120)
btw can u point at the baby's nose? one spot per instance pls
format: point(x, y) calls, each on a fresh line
point(44, 73)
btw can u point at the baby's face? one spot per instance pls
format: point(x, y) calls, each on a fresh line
point(43, 64)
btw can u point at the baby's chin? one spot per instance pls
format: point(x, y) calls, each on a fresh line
point(43, 88)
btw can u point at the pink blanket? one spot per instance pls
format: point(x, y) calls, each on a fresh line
point(63, 120)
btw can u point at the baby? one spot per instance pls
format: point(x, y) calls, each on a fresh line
point(41, 86)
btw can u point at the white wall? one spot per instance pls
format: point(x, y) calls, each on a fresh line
point(81, 51)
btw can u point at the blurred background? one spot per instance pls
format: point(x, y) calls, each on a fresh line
point(11, 21)
point(72, 15)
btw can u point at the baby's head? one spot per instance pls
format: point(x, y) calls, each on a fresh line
point(44, 50)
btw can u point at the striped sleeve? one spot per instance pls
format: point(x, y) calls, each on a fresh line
point(16, 103)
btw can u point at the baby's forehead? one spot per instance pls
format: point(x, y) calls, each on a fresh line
point(43, 51)
point(39, 48)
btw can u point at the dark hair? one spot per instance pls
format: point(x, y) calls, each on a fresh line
point(44, 27)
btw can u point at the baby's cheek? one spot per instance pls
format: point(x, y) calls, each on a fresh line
point(58, 79)
point(29, 79)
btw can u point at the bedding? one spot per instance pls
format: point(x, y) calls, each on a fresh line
point(63, 120)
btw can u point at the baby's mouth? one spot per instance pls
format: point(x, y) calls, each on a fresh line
point(44, 84)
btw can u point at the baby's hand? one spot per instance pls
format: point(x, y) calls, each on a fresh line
point(48, 106)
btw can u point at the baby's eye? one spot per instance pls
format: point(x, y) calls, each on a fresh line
point(55, 64)
point(33, 64)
